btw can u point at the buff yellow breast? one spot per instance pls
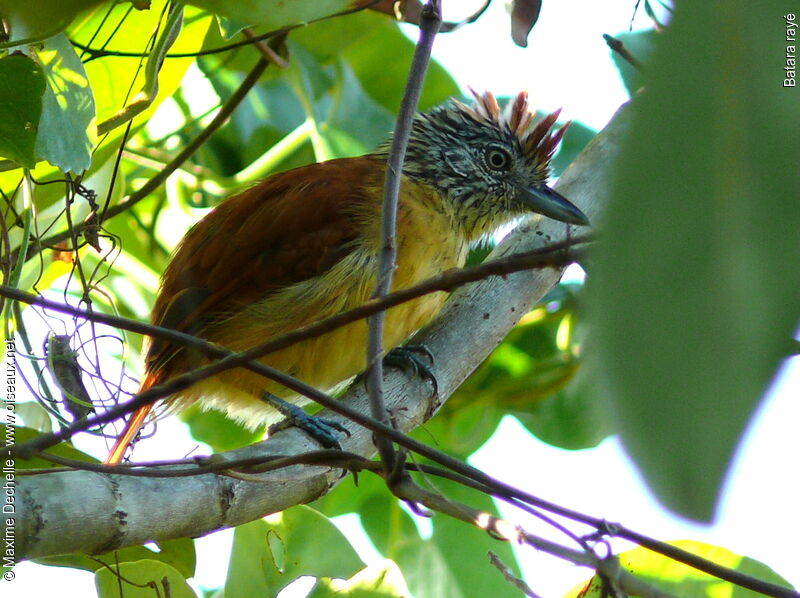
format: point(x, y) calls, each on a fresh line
point(426, 246)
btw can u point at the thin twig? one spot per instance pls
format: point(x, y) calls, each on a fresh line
point(180, 468)
point(5, 254)
point(267, 52)
point(617, 46)
point(431, 20)
point(506, 572)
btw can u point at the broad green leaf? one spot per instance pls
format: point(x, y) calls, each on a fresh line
point(268, 554)
point(347, 103)
point(388, 526)
point(355, 113)
point(34, 416)
point(141, 579)
point(340, 144)
point(66, 134)
point(179, 554)
point(678, 579)
point(228, 28)
point(535, 375)
point(694, 292)
point(383, 73)
point(381, 580)
point(463, 425)
point(269, 113)
point(20, 107)
point(394, 534)
point(464, 548)
point(309, 78)
point(572, 419)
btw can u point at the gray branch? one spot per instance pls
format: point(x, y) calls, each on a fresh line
point(87, 512)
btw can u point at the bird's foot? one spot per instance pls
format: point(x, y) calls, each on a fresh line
point(322, 430)
point(411, 358)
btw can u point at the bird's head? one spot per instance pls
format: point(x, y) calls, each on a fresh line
point(489, 165)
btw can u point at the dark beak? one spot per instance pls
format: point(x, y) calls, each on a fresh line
point(547, 202)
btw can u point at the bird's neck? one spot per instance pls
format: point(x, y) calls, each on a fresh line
point(423, 190)
point(429, 239)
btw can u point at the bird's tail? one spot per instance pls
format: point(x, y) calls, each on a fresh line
point(132, 427)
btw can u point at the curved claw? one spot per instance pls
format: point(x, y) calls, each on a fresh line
point(409, 358)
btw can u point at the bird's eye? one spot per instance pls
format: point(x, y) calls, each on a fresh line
point(498, 159)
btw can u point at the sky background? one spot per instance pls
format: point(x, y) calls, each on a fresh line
point(567, 64)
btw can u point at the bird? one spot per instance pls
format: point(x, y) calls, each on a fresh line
point(303, 245)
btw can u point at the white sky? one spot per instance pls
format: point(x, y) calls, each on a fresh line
point(758, 516)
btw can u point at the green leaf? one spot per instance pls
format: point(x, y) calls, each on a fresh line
point(571, 419)
point(20, 107)
point(218, 431)
point(115, 79)
point(677, 579)
point(464, 549)
point(141, 579)
point(535, 375)
point(273, 14)
point(179, 554)
point(381, 61)
point(394, 534)
point(355, 113)
point(382, 580)
point(68, 112)
point(229, 28)
point(268, 113)
point(464, 424)
point(328, 39)
point(34, 416)
point(269, 554)
point(694, 292)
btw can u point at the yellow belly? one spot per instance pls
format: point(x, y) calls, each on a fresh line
point(426, 247)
